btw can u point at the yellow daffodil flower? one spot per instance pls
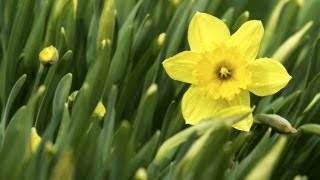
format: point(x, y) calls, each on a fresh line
point(222, 69)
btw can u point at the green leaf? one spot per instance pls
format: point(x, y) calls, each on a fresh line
point(122, 152)
point(13, 94)
point(241, 170)
point(166, 120)
point(307, 97)
point(86, 149)
point(32, 48)
point(228, 17)
point(287, 20)
point(146, 153)
point(291, 43)
point(312, 103)
point(67, 20)
point(52, 23)
point(18, 35)
point(134, 82)
point(107, 22)
point(240, 20)
point(176, 30)
point(101, 33)
point(314, 65)
point(194, 165)
point(213, 6)
point(271, 27)
point(263, 169)
point(103, 151)
point(141, 38)
point(64, 168)
point(120, 62)
point(240, 140)
point(15, 147)
point(168, 149)
point(200, 6)
point(286, 104)
point(54, 75)
point(142, 125)
point(310, 129)
point(59, 100)
point(309, 11)
point(123, 9)
point(63, 130)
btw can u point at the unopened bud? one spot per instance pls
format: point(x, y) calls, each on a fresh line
point(277, 122)
point(34, 139)
point(300, 177)
point(49, 55)
point(141, 174)
point(175, 3)
point(64, 168)
point(71, 98)
point(99, 111)
point(161, 39)
point(48, 147)
point(300, 3)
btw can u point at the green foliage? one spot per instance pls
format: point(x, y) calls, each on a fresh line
point(111, 51)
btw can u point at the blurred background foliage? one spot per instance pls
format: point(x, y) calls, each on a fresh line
point(111, 52)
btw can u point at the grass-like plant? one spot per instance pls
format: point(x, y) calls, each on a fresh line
point(100, 105)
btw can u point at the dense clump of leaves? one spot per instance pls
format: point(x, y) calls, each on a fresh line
point(111, 50)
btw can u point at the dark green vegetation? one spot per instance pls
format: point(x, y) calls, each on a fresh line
point(109, 51)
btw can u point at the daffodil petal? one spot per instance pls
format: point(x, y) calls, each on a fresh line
point(248, 38)
point(243, 99)
point(245, 124)
point(268, 76)
point(181, 66)
point(205, 31)
point(198, 105)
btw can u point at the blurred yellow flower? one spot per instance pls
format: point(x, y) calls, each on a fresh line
point(222, 69)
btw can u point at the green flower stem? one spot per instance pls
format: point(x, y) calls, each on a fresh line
point(41, 69)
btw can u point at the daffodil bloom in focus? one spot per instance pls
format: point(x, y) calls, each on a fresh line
point(223, 68)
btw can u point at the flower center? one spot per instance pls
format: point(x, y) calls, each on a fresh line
point(224, 73)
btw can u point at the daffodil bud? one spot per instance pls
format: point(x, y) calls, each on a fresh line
point(99, 111)
point(49, 55)
point(71, 98)
point(300, 2)
point(48, 147)
point(175, 3)
point(161, 39)
point(277, 122)
point(64, 168)
point(34, 139)
point(300, 177)
point(141, 174)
